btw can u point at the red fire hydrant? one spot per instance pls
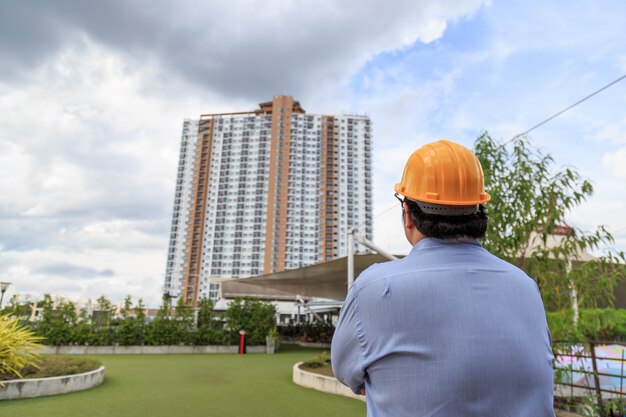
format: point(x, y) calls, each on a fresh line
point(242, 342)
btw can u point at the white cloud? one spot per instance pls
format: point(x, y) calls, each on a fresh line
point(602, 211)
point(615, 164)
point(82, 275)
point(612, 132)
point(91, 147)
point(90, 118)
point(216, 44)
point(90, 113)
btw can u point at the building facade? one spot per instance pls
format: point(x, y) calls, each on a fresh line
point(263, 191)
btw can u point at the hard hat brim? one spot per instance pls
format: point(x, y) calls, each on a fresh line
point(400, 190)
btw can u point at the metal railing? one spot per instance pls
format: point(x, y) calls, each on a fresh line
point(583, 360)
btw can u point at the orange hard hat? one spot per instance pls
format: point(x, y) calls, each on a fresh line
point(443, 173)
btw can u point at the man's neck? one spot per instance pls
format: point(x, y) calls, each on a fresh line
point(415, 237)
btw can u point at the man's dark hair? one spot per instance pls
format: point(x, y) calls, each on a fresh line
point(448, 227)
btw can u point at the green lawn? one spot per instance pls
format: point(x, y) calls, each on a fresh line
point(192, 386)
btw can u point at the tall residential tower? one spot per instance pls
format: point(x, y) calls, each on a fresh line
point(266, 190)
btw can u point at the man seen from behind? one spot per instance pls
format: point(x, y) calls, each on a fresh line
point(450, 330)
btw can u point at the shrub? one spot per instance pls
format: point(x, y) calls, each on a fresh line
point(18, 347)
point(593, 324)
point(60, 365)
point(172, 326)
point(320, 361)
point(603, 324)
point(165, 331)
point(206, 335)
point(130, 332)
point(316, 332)
point(254, 316)
point(83, 334)
point(57, 321)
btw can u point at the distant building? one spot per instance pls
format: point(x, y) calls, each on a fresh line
point(263, 191)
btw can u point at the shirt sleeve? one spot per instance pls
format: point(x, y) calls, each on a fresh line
point(346, 350)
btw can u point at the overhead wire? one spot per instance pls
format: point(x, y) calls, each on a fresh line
point(384, 211)
point(391, 207)
point(554, 116)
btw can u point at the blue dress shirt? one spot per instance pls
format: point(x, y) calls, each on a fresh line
point(448, 331)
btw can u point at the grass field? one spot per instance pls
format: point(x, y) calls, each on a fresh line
point(193, 386)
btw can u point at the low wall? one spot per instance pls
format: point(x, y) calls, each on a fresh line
point(144, 350)
point(322, 383)
point(307, 344)
point(29, 388)
point(331, 385)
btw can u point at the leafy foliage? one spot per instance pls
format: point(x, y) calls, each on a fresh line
point(15, 308)
point(18, 346)
point(316, 332)
point(530, 201)
point(57, 320)
point(130, 331)
point(253, 316)
point(164, 329)
point(320, 361)
point(58, 365)
point(60, 325)
point(209, 330)
point(206, 314)
point(594, 324)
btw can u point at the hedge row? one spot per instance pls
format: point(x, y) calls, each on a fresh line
point(133, 332)
point(180, 325)
point(593, 324)
point(315, 332)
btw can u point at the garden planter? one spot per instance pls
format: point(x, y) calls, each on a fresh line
point(271, 345)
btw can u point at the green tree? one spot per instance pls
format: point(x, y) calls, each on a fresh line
point(530, 199)
point(105, 310)
point(103, 332)
point(164, 329)
point(208, 331)
point(16, 308)
point(130, 328)
point(185, 315)
point(140, 310)
point(84, 333)
point(127, 307)
point(254, 316)
point(12, 306)
point(206, 313)
point(57, 320)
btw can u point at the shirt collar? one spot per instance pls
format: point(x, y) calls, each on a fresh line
point(431, 242)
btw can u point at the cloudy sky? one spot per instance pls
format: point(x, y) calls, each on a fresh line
point(93, 95)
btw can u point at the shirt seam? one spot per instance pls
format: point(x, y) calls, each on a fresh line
point(387, 276)
point(359, 332)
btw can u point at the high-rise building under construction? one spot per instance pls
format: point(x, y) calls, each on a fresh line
point(266, 190)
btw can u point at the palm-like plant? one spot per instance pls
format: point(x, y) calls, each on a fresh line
point(18, 347)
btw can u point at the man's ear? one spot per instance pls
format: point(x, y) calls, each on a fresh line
point(412, 233)
point(408, 222)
